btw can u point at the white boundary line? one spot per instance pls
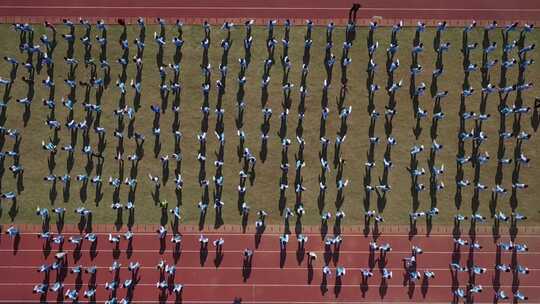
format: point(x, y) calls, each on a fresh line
point(301, 267)
point(277, 285)
point(383, 235)
point(253, 302)
point(289, 251)
point(244, 8)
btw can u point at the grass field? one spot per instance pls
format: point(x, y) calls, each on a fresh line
point(264, 193)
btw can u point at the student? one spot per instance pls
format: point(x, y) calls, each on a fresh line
point(115, 266)
point(134, 267)
point(203, 241)
point(366, 273)
point(162, 285)
point(44, 268)
point(460, 293)
point(12, 231)
point(219, 243)
point(502, 267)
point(90, 293)
point(114, 239)
point(302, 239)
point(416, 250)
point(458, 268)
point(91, 237)
point(520, 296)
point(520, 247)
point(429, 274)
point(326, 271)
point(176, 238)
point(311, 256)
point(283, 240)
point(128, 284)
point(248, 253)
point(460, 218)
point(475, 245)
point(170, 270)
point(72, 295)
point(57, 286)
point(177, 289)
point(522, 269)
point(91, 270)
point(385, 248)
point(478, 270)
point(414, 275)
point(162, 232)
point(326, 216)
point(505, 246)
point(128, 235)
point(461, 242)
point(340, 271)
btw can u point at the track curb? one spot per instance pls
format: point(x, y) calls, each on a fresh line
point(354, 229)
point(258, 21)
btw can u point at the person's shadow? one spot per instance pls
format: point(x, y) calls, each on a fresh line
point(324, 229)
point(410, 291)
point(162, 297)
point(324, 284)
point(310, 272)
point(237, 300)
point(425, 286)
point(246, 269)
point(413, 230)
point(177, 252)
point(162, 245)
point(14, 210)
point(119, 222)
point(129, 249)
point(300, 253)
point(383, 288)
point(116, 251)
point(178, 298)
point(218, 220)
point(93, 250)
point(202, 219)
point(16, 243)
point(258, 235)
point(364, 286)
point(77, 254)
point(245, 218)
point(337, 286)
point(282, 257)
point(131, 219)
point(535, 118)
point(203, 254)
point(219, 258)
point(46, 249)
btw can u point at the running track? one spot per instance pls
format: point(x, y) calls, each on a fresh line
point(456, 11)
point(268, 282)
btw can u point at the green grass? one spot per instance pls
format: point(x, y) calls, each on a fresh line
point(265, 193)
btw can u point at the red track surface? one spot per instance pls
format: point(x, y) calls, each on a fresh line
point(268, 282)
point(391, 10)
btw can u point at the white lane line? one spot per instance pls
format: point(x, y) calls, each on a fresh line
point(249, 302)
point(248, 8)
point(290, 251)
point(301, 267)
point(278, 285)
point(275, 234)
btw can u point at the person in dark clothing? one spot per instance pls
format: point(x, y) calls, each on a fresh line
point(352, 12)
